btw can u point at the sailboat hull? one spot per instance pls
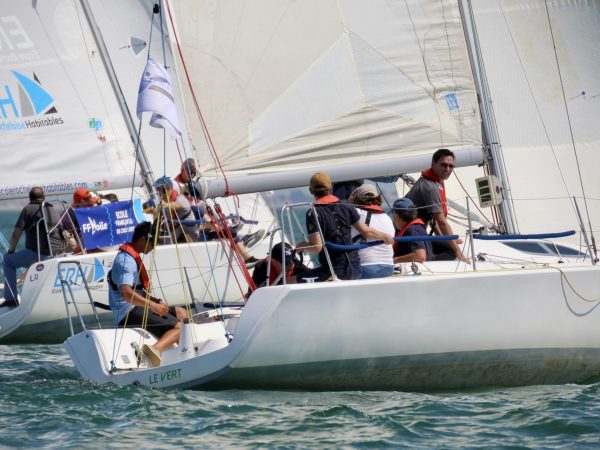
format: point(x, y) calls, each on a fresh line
point(411, 332)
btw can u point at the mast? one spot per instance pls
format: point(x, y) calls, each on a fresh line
point(491, 139)
point(142, 159)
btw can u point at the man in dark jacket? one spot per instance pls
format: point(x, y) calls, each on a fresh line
point(275, 276)
point(43, 239)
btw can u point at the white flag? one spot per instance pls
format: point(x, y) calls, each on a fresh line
point(156, 96)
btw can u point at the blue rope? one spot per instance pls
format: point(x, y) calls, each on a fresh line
point(502, 237)
point(341, 247)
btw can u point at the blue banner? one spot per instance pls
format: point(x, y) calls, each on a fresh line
point(109, 224)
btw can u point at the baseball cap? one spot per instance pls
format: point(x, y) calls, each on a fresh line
point(403, 203)
point(162, 182)
point(288, 253)
point(320, 181)
point(83, 195)
point(365, 191)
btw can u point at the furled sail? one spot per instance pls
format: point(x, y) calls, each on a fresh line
point(285, 85)
point(60, 124)
point(542, 60)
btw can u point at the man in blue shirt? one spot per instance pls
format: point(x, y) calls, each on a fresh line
point(129, 296)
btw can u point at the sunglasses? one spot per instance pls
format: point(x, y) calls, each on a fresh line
point(447, 166)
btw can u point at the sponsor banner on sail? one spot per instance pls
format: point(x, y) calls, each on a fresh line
point(109, 225)
point(58, 111)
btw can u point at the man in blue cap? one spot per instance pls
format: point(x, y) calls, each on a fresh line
point(408, 224)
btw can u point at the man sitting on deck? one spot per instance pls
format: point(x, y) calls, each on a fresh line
point(409, 225)
point(128, 295)
point(429, 195)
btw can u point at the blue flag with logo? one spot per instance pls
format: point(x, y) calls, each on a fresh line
point(110, 224)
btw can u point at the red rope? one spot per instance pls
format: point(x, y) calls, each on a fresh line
point(224, 245)
point(241, 262)
point(197, 105)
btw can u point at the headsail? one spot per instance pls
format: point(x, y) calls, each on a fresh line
point(285, 85)
point(547, 105)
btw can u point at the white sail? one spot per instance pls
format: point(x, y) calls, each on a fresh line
point(284, 85)
point(60, 124)
point(130, 31)
point(547, 105)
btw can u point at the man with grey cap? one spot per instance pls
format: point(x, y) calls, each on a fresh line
point(335, 220)
point(178, 208)
point(408, 224)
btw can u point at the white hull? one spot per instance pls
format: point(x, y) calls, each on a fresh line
point(492, 327)
point(41, 317)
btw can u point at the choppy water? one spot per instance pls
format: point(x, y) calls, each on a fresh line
point(43, 403)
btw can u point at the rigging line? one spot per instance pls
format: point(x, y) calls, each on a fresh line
point(205, 131)
point(162, 40)
point(562, 86)
point(162, 34)
point(537, 107)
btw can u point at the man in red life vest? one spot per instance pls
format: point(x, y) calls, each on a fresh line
point(429, 196)
point(409, 225)
point(128, 295)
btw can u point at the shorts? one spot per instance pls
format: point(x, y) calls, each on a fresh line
point(155, 324)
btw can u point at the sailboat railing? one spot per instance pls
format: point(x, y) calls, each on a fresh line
point(311, 206)
point(66, 285)
point(584, 232)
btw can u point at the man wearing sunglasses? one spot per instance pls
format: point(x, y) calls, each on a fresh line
point(429, 196)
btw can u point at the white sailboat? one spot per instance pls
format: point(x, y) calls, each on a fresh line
point(66, 123)
point(362, 89)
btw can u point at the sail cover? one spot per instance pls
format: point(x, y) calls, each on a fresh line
point(60, 125)
point(547, 105)
point(286, 84)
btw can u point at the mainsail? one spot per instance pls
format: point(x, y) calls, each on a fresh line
point(286, 85)
point(60, 124)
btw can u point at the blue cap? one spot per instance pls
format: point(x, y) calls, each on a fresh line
point(163, 181)
point(404, 203)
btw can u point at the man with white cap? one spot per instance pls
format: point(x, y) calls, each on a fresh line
point(375, 261)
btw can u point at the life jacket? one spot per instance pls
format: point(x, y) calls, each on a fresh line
point(332, 203)
point(406, 227)
point(143, 279)
point(430, 174)
point(273, 274)
point(174, 216)
point(370, 209)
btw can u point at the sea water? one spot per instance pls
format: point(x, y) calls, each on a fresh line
point(45, 404)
